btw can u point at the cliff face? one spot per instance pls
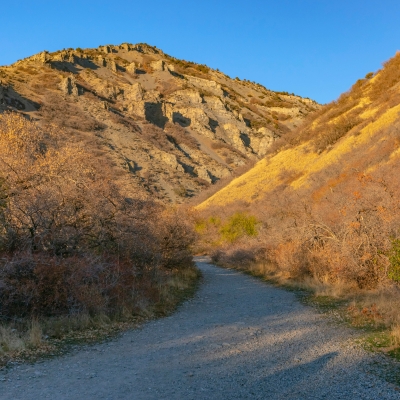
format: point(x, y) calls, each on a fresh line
point(170, 127)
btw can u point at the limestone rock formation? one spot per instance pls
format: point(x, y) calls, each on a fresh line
point(41, 57)
point(101, 61)
point(68, 86)
point(134, 92)
point(211, 86)
point(158, 65)
point(105, 49)
point(131, 68)
point(202, 173)
point(165, 124)
point(111, 65)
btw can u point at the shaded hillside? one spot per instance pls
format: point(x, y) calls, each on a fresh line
point(169, 127)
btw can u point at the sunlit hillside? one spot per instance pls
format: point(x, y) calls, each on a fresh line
point(324, 202)
point(358, 133)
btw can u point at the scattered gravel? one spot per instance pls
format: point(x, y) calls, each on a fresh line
point(238, 338)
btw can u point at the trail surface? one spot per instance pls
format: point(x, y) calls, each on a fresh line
point(238, 338)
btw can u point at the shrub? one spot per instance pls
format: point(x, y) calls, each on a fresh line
point(336, 131)
point(239, 225)
point(70, 240)
point(394, 259)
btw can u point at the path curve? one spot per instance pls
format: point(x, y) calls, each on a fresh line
point(238, 338)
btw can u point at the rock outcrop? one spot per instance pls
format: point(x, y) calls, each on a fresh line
point(158, 65)
point(132, 67)
point(105, 49)
point(68, 86)
point(164, 123)
point(111, 65)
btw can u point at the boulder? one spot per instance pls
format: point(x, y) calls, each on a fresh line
point(235, 136)
point(202, 173)
point(262, 140)
point(137, 108)
point(111, 65)
point(72, 58)
point(101, 61)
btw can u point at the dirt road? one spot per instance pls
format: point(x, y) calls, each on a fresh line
point(238, 338)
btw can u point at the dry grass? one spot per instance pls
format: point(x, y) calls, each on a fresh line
point(340, 131)
point(267, 173)
point(14, 341)
point(10, 340)
point(32, 339)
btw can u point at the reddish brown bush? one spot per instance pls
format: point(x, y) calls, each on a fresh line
point(70, 241)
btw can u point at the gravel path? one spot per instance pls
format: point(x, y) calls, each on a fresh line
point(237, 339)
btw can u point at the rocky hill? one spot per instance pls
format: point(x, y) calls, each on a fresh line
point(171, 128)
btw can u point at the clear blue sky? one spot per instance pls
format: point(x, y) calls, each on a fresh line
point(315, 48)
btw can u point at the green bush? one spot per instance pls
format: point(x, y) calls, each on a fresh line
point(239, 225)
point(394, 258)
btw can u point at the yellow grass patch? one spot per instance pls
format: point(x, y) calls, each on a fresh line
point(267, 174)
point(369, 113)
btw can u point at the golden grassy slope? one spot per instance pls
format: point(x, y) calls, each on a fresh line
point(357, 125)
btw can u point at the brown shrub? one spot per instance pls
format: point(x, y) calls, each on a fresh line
point(70, 241)
point(387, 78)
point(336, 131)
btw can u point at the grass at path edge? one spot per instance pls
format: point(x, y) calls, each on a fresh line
point(91, 330)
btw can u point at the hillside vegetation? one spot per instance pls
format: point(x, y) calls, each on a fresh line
point(326, 198)
point(356, 133)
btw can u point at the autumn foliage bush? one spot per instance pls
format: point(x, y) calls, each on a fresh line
point(349, 235)
point(70, 240)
